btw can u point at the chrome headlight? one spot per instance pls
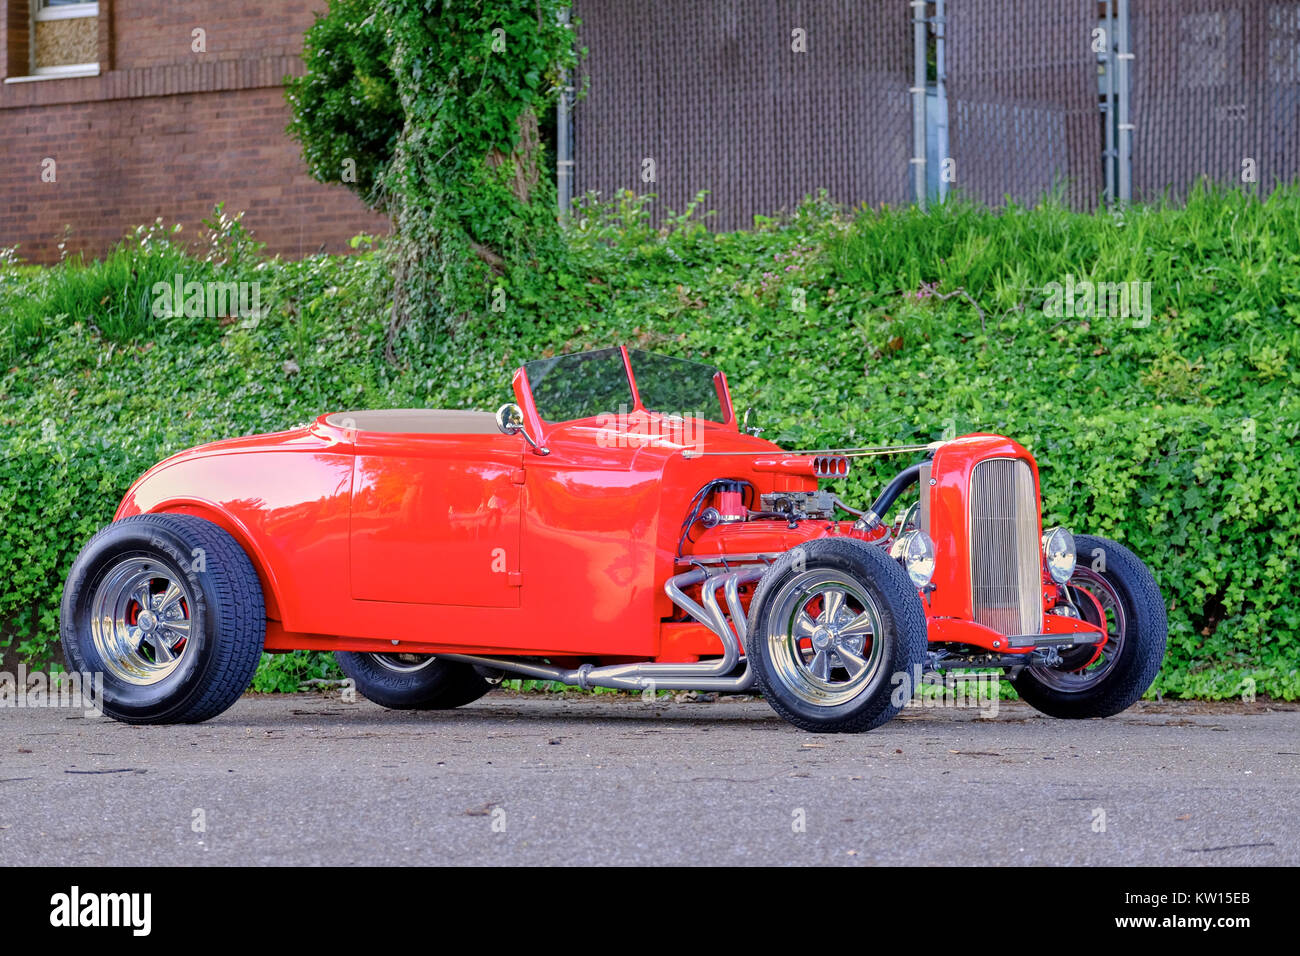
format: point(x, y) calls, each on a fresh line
point(1058, 552)
point(915, 552)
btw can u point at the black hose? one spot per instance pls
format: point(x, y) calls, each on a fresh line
point(902, 481)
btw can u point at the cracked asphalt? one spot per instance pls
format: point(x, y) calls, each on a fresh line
point(527, 779)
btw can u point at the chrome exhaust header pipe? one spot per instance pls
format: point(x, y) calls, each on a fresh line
point(717, 674)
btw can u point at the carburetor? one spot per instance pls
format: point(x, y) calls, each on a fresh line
point(800, 505)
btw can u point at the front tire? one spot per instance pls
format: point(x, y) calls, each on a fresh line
point(1113, 588)
point(413, 681)
point(837, 637)
point(169, 610)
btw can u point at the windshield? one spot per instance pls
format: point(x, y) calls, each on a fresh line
point(589, 384)
point(676, 386)
point(582, 385)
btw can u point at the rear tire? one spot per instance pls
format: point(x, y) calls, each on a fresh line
point(169, 609)
point(413, 681)
point(1128, 663)
point(837, 636)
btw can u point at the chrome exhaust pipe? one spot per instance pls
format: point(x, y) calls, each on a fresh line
point(716, 674)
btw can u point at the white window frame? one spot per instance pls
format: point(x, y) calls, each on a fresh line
point(41, 13)
point(67, 11)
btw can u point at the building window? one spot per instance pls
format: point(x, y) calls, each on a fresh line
point(65, 37)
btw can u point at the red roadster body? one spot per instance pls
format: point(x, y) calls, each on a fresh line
point(615, 526)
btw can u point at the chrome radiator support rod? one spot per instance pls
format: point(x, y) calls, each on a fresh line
point(715, 674)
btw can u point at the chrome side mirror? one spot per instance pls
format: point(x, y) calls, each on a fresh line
point(744, 423)
point(510, 421)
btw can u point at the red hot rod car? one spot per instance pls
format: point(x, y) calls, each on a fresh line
point(615, 527)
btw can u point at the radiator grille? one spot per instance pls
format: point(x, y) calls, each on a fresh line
point(1004, 547)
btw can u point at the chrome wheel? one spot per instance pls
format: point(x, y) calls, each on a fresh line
point(825, 637)
point(1083, 667)
point(140, 619)
point(404, 663)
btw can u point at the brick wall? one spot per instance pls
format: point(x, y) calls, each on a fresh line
point(164, 131)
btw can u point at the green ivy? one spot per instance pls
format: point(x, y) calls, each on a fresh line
point(434, 108)
point(286, 673)
point(346, 111)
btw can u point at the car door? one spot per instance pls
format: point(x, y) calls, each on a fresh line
point(435, 519)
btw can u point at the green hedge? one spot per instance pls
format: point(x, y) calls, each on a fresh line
point(1176, 437)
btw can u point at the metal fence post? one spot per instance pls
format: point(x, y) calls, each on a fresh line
point(918, 100)
point(1109, 59)
point(564, 139)
point(941, 94)
point(1124, 57)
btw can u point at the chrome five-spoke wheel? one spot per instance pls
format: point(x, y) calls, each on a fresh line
point(140, 620)
point(821, 637)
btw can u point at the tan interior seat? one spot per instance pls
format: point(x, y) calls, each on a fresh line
point(418, 421)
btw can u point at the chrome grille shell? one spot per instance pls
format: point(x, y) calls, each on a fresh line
point(1005, 551)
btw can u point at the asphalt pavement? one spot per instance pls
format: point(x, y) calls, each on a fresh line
point(545, 779)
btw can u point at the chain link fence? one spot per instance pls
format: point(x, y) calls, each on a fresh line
point(762, 102)
point(1215, 94)
point(758, 101)
point(1022, 97)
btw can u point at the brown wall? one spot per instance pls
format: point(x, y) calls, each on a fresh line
point(164, 131)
